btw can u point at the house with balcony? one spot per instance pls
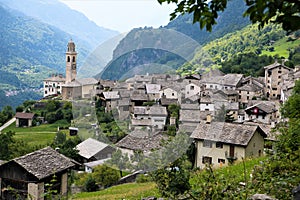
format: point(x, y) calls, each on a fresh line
point(220, 143)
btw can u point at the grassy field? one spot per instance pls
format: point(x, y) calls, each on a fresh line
point(281, 47)
point(37, 135)
point(130, 191)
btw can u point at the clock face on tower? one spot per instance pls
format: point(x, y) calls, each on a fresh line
point(73, 66)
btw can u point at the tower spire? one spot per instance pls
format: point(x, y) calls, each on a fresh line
point(71, 65)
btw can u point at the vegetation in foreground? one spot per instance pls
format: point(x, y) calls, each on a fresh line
point(130, 191)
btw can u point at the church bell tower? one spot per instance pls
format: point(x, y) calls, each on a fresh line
point(71, 66)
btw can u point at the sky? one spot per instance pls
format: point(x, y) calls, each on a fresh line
point(123, 15)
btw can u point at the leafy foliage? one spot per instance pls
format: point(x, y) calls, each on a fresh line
point(206, 12)
point(173, 180)
point(249, 64)
point(105, 175)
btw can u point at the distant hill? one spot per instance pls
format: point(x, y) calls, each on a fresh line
point(229, 21)
point(29, 52)
point(58, 14)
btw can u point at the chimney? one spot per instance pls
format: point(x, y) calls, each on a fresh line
point(208, 119)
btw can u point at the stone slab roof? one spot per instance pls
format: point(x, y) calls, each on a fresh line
point(57, 78)
point(265, 106)
point(21, 115)
point(147, 143)
point(158, 110)
point(87, 81)
point(153, 88)
point(190, 115)
point(276, 64)
point(238, 134)
point(90, 147)
point(44, 162)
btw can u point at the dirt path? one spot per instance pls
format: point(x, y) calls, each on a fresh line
point(7, 124)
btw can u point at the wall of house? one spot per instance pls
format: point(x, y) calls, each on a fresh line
point(105, 153)
point(259, 118)
point(191, 90)
point(158, 122)
point(273, 81)
point(70, 93)
point(169, 93)
point(216, 154)
point(52, 87)
point(245, 96)
point(153, 96)
point(86, 91)
point(207, 107)
point(255, 147)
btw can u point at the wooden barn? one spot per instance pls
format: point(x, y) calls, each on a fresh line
point(24, 119)
point(28, 177)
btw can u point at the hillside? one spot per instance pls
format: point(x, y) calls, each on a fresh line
point(58, 14)
point(29, 52)
point(269, 41)
point(229, 21)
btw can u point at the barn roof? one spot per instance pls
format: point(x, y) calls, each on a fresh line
point(24, 115)
point(44, 162)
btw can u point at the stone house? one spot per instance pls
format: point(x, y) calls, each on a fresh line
point(226, 82)
point(27, 177)
point(220, 143)
point(274, 79)
point(53, 85)
point(24, 119)
point(153, 91)
point(109, 99)
point(191, 90)
point(248, 92)
point(263, 112)
point(92, 150)
point(149, 116)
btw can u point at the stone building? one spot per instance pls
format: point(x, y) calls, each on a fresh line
point(274, 79)
point(27, 177)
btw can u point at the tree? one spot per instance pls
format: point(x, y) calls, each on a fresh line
point(8, 112)
point(281, 171)
point(105, 175)
point(6, 140)
point(173, 180)
point(206, 12)
point(119, 160)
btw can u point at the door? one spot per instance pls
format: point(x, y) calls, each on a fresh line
point(231, 151)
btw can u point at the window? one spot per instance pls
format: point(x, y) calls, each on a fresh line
point(68, 59)
point(219, 145)
point(73, 60)
point(248, 92)
point(207, 143)
point(240, 96)
point(247, 97)
point(211, 86)
point(206, 160)
point(173, 94)
point(279, 72)
point(192, 87)
point(220, 160)
point(207, 104)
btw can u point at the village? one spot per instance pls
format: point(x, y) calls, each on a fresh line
point(229, 117)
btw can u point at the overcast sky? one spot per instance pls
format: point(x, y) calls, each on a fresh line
point(123, 15)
